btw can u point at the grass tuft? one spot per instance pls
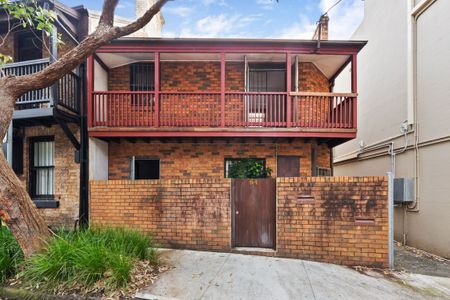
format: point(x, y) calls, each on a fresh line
point(11, 256)
point(84, 257)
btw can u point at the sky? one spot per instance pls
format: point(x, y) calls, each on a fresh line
point(248, 18)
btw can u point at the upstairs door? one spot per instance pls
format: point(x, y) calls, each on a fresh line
point(266, 78)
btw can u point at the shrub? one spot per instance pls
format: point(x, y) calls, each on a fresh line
point(84, 257)
point(11, 255)
point(248, 168)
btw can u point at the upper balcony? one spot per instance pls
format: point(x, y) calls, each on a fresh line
point(64, 96)
point(221, 88)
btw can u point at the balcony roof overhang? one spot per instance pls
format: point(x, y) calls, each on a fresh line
point(281, 44)
point(330, 58)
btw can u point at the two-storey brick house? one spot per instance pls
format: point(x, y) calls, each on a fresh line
point(168, 119)
point(219, 99)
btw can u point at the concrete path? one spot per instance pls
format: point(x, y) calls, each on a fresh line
point(210, 275)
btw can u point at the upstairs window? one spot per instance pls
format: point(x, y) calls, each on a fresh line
point(28, 45)
point(142, 77)
point(144, 168)
point(42, 167)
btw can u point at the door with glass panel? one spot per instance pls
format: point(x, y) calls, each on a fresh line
point(42, 168)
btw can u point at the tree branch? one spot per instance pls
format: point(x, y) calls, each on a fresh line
point(103, 34)
point(144, 19)
point(107, 17)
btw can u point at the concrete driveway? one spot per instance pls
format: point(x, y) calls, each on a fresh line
point(210, 275)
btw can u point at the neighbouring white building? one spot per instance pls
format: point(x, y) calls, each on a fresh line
point(152, 29)
point(404, 113)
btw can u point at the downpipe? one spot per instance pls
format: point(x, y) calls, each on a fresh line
point(391, 219)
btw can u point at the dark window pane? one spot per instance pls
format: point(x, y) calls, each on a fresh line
point(29, 45)
point(146, 169)
point(17, 159)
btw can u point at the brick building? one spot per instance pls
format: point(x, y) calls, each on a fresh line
point(169, 119)
point(170, 123)
point(44, 144)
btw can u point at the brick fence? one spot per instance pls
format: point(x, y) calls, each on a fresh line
point(341, 220)
point(181, 213)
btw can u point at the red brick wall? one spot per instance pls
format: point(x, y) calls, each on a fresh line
point(311, 79)
point(322, 218)
point(67, 175)
point(185, 77)
point(206, 158)
point(205, 76)
point(186, 213)
point(312, 110)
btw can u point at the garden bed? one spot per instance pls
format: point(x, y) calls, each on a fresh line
point(104, 263)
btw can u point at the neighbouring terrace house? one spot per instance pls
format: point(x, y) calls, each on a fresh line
point(44, 144)
point(169, 119)
point(47, 141)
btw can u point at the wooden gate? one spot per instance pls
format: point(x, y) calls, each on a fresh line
point(253, 212)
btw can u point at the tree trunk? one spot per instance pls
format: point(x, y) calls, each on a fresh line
point(21, 215)
point(16, 207)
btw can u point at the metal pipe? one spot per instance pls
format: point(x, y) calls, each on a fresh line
point(391, 219)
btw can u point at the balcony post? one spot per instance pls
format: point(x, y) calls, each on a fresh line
point(222, 89)
point(354, 89)
point(156, 89)
point(288, 89)
point(90, 87)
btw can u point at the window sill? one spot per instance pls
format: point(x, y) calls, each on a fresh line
point(46, 203)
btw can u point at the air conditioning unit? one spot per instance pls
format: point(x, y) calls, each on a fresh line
point(403, 190)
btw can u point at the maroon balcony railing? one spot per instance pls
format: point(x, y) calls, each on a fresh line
point(254, 109)
point(186, 109)
point(232, 109)
point(324, 110)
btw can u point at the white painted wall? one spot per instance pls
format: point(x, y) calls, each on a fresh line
point(383, 106)
point(381, 73)
point(98, 159)
point(433, 71)
point(101, 77)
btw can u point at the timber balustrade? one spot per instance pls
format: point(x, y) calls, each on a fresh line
point(66, 92)
point(233, 109)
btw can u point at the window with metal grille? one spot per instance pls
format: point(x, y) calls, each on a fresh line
point(320, 171)
point(42, 166)
point(142, 77)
